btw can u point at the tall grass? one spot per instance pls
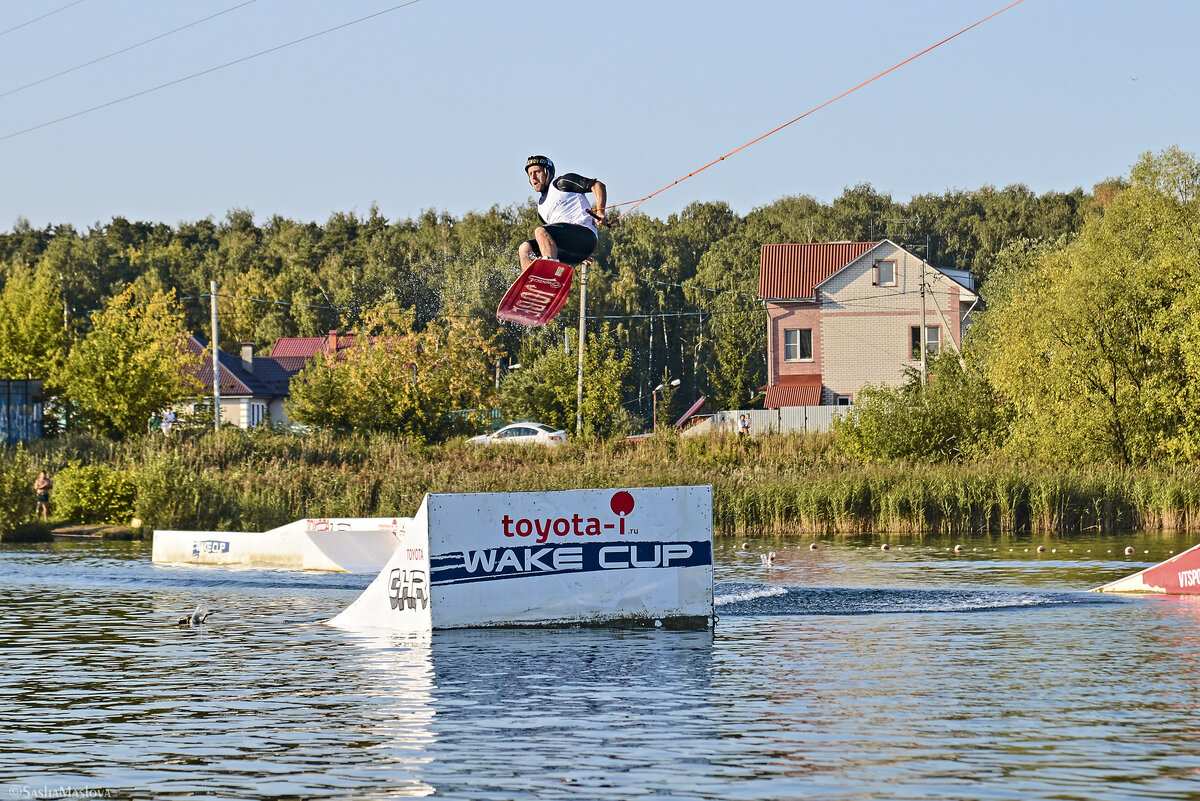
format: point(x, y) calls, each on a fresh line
point(781, 484)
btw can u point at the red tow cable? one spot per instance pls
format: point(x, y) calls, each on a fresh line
point(813, 110)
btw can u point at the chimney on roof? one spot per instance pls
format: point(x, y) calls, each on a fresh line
point(332, 343)
point(248, 357)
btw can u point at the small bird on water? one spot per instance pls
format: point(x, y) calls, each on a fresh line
point(196, 618)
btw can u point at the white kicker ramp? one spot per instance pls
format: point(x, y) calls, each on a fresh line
point(522, 558)
point(344, 544)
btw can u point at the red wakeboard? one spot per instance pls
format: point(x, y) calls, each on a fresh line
point(537, 295)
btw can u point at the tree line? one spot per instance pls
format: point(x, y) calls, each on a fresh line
point(668, 299)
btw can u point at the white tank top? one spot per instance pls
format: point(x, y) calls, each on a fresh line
point(557, 206)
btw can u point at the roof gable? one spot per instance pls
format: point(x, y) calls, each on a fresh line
point(789, 272)
point(270, 379)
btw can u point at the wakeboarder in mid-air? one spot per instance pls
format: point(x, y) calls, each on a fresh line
point(566, 237)
point(568, 230)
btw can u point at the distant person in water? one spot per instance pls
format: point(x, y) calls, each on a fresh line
point(568, 230)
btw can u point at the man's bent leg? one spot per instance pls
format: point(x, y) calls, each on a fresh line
point(546, 243)
point(528, 254)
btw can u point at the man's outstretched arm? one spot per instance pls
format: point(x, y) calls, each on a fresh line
point(600, 193)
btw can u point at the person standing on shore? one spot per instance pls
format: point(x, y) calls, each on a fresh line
point(42, 488)
point(168, 422)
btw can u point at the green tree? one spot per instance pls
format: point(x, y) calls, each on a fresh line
point(543, 389)
point(33, 337)
point(427, 385)
point(739, 344)
point(318, 396)
point(954, 416)
point(1093, 344)
point(133, 363)
point(546, 390)
point(605, 372)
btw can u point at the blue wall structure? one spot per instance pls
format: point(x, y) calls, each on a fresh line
point(20, 411)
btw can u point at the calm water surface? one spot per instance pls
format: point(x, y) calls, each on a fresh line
point(844, 672)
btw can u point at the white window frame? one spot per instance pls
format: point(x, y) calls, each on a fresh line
point(933, 341)
point(793, 347)
point(879, 278)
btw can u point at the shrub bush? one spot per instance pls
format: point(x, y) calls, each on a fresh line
point(16, 488)
point(169, 494)
point(93, 494)
point(29, 531)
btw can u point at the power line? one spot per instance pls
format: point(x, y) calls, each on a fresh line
point(207, 71)
point(694, 286)
point(124, 49)
point(35, 19)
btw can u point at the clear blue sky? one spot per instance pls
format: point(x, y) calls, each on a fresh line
point(436, 105)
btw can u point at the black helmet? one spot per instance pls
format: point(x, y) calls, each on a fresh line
point(540, 161)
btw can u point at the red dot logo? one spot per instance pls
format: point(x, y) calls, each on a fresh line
point(621, 503)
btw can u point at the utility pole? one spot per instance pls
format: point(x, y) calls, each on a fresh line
point(212, 289)
point(924, 344)
point(582, 340)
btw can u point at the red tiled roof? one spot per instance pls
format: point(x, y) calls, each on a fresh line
point(791, 272)
point(308, 347)
point(794, 390)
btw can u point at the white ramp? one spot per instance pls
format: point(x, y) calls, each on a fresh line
point(340, 544)
point(523, 558)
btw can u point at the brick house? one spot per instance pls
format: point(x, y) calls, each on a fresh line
point(253, 388)
point(844, 315)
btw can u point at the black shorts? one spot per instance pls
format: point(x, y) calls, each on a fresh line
point(43, 497)
point(575, 242)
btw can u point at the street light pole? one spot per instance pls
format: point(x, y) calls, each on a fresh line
point(582, 340)
point(216, 366)
point(654, 400)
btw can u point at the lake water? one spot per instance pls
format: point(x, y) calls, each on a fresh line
point(840, 673)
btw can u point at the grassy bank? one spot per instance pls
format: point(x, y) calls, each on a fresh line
point(766, 486)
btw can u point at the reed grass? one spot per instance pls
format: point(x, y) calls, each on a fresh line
point(772, 485)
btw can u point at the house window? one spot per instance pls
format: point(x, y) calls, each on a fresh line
point(258, 413)
point(933, 339)
point(797, 345)
point(885, 272)
point(844, 400)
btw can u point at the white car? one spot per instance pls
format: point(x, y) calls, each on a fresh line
point(522, 434)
